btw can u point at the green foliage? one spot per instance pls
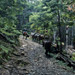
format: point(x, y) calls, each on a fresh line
point(46, 15)
point(9, 9)
point(8, 13)
point(73, 57)
point(4, 49)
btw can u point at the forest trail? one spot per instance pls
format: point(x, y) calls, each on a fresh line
point(30, 59)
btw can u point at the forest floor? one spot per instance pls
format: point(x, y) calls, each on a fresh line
point(30, 59)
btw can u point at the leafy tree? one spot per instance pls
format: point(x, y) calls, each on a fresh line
point(8, 14)
point(51, 14)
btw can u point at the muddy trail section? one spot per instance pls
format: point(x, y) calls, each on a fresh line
point(30, 59)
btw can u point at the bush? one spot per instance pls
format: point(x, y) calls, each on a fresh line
point(73, 57)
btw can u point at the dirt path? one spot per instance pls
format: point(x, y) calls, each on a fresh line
point(30, 59)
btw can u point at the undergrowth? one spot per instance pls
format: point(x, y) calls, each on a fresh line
point(6, 49)
point(73, 57)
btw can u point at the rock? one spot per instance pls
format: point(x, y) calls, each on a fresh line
point(40, 56)
point(26, 72)
point(5, 72)
point(21, 62)
point(8, 66)
point(22, 53)
point(32, 48)
point(33, 73)
point(22, 72)
point(21, 68)
point(24, 45)
point(21, 48)
point(35, 60)
point(24, 68)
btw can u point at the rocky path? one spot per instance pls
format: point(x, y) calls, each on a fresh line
point(30, 59)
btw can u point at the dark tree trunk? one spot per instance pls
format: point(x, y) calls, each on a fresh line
point(59, 26)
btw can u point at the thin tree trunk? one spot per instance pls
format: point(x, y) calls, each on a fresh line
point(59, 25)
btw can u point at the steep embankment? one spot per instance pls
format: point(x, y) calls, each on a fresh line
point(7, 46)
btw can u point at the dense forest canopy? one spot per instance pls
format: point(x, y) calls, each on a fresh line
point(46, 14)
point(37, 14)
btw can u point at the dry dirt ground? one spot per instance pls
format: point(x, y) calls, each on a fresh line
point(30, 59)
